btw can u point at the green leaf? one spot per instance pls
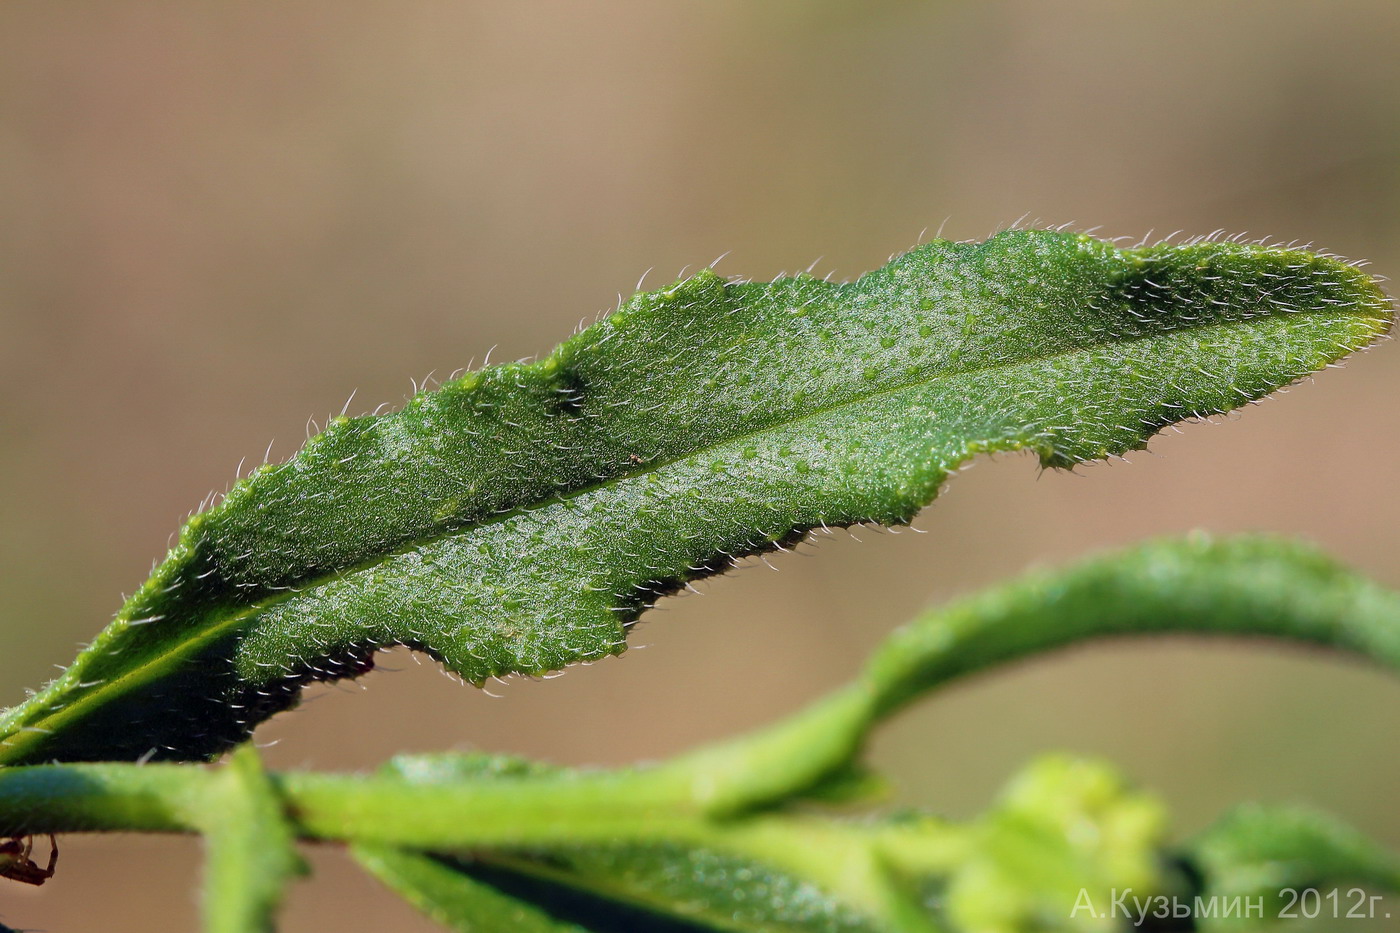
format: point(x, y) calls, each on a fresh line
point(487, 895)
point(714, 883)
point(1244, 586)
point(453, 898)
point(1062, 827)
point(521, 517)
point(781, 874)
point(1258, 851)
point(251, 848)
point(788, 873)
point(687, 840)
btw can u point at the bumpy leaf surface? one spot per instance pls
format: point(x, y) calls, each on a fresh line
point(520, 518)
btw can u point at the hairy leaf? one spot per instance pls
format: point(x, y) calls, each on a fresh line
point(1251, 585)
point(692, 875)
point(519, 518)
point(1258, 851)
point(711, 884)
point(1062, 827)
point(1242, 586)
point(656, 887)
point(727, 837)
point(455, 900)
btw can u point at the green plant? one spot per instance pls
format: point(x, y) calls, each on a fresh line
point(519, 519)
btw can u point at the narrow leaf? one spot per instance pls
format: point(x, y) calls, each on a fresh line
point(1238, 586)
point(251, 849)
point(482, 896)
point(1260, 852)
point(785, 874)
point(607, 834)
point(1247, 586)
point(520, 518)
point(1244, 586)
point(454, 899)
point(1064, 826)
point(686, 887)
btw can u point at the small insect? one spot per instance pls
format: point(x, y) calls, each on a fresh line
point(16, 864)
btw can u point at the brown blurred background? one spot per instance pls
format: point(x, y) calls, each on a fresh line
point(217, 220)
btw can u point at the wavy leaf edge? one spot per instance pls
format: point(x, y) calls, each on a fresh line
point(245, 629)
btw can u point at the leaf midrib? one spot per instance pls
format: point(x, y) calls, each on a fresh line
point(137, 676)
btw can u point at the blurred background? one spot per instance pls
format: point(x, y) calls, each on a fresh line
point(217, 220)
